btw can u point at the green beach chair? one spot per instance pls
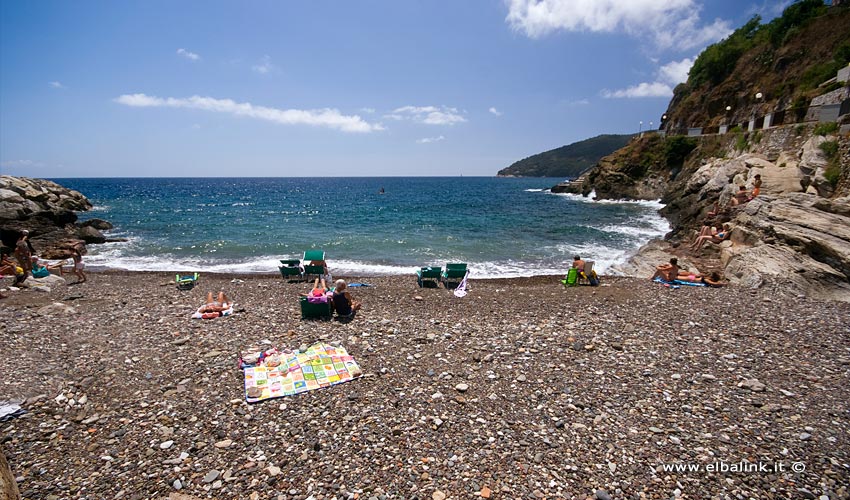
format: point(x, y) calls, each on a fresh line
point(571, 279)
point(310, 310)
point(291, 269)
point(453, 273)
point(428, 274)
point(186, 282)
point(314, 270)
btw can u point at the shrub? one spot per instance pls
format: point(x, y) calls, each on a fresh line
point(799, 129)
point(741, 143)
point(829, 148)
point(677, 148)
point(757, 137)
point(825, 128)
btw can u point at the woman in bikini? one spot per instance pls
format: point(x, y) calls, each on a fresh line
point(218, 305)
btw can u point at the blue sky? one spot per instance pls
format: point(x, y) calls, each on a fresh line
point(321, 88)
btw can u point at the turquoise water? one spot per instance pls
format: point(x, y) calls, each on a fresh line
point(500, 226)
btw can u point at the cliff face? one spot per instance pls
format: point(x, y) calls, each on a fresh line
point(794, 232)
point(47, 211)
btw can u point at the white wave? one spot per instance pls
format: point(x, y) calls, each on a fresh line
point(590, 198)
point(99, 208)
point(533, 190)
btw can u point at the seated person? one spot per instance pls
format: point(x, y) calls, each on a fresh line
point(219, 305)
point(38, 270)
point(741, 197)
point(717, 237)
point(319, 294)
point(667, 272)
point(578, 263)
point(11, 268)
point(342, 301)
point(756, 186)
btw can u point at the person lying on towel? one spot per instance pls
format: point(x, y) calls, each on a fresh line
point(219, 305)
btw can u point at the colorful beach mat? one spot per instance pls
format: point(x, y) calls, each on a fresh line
point(278, 374)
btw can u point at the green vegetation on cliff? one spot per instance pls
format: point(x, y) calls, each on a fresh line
point(567, 161)
point(784, 62)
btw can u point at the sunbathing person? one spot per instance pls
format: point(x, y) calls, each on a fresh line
point(718, 237)
point(667, 272)
point(219, 305)
point(741, 197)
point(756, 186)
point(319, 294)
point(343, 303)
point(714, 280)
point(688, 276)
point(11, 268)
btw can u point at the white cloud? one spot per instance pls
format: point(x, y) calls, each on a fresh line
point(188, 55)
point(669, 75)
point(675, 72)
point(426, 140)
point(56, 85)
point(656, 89)
point(370, 111)
point(579, 102)
point(264, 67)
point(667, 23)
point(429, 115)
point(326, 117)
point(495, 111)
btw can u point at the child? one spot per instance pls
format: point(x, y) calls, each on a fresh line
point(79, 266)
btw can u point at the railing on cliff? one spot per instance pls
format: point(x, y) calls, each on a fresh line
point(817, 113)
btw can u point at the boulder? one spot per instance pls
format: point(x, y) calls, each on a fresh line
point(47, 211)
point(642, 263)
point(98, 224)
point(56, 309)
point(798, 239)
point(90, 235)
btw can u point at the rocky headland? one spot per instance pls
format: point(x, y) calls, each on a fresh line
point(796, 232)
point(49, 212)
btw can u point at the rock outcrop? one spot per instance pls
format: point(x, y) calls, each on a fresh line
point(48, 211)
point(799, 239)
point(796, 232)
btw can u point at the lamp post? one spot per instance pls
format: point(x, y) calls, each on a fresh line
point(640, 126)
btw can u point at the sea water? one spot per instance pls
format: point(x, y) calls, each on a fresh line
point(501, 227)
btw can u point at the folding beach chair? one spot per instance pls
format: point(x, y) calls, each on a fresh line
point(310, 269)
point(571, 279)
point(311, 310)
point(291, 269)
point(428, 274)
point(587, 276)
point(453, 273)
point(186, 282)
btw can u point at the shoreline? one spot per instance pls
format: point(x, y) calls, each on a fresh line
point(522, 386)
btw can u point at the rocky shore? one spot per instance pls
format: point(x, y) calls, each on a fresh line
point(48, 211)
point(521, 389)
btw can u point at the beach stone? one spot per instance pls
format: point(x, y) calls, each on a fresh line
point(438, 495)
point(224, 443)
point(805, 436)
point(602, 495)
point(166, 444)
point(177, 484)
point(462, 387)
point(211, 476)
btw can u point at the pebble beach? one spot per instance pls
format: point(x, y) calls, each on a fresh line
point(520, 389)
